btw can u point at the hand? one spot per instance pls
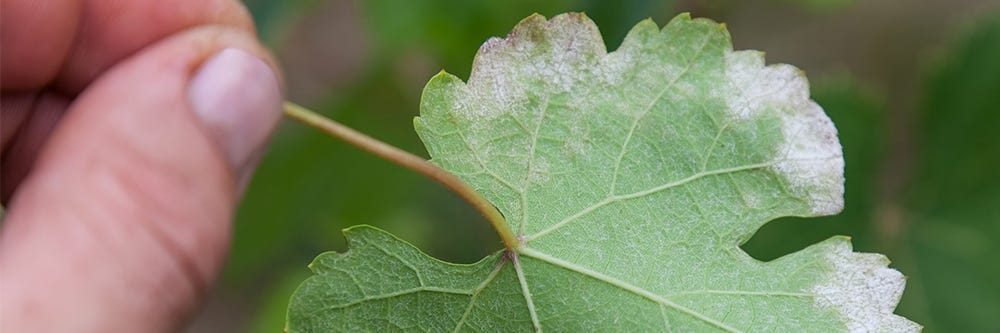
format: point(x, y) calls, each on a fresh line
point(129, 129)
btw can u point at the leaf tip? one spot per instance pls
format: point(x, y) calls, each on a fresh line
point(862, 289)
point(809, 156)
point(536, 16)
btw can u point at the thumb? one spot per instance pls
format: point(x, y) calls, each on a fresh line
point(124, 221)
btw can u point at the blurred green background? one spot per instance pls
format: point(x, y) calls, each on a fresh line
point(913, 87)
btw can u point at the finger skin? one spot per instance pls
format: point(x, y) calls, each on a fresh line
point(41, 117)
point(36, 38)
point(101, 42)
point(124, 221)
point(58, 47)
point(66, 44)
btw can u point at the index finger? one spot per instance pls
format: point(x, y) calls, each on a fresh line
point(66, 44)
point(36, 37)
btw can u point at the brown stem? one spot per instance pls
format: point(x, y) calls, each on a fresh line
point(409, 161)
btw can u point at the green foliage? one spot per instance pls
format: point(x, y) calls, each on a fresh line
point(953, 212)
point(269, 15)
point(630, 179)
point(822, 5)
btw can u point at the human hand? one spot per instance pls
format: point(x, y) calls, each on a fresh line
point(128, 131)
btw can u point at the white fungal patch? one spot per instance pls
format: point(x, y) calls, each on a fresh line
point(575, 45)
point(555, 55)
point(539, 172)
point(494, 86)
point(756, 86)
point(751, 200)
point(577, 141)
point(862, 291)
point(810, 157)
point(613, 67)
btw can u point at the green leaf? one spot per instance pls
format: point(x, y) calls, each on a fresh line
point(631, 178)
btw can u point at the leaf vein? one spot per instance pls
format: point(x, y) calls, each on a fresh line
point(475, 293)
point(741, 293)
point(482, 165)
point(647, 109)
point(646, 192)
point(531, 161)
point(527, 293)
point(625, 286)
point(403, 292)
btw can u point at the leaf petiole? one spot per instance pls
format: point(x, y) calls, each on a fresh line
point(409, 161)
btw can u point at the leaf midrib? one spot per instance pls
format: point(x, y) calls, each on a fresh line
point(621, 197)
point(527, 251)
point(611, 198)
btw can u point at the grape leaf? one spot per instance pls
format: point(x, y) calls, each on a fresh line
point(630, 178)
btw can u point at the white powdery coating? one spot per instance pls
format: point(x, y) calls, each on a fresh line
point(863, 291)
point(811, 159)
point(568, 47)
point(758, 86)
point(614, 66)
point(571, 43)
point(493, 88)
point(810, 156)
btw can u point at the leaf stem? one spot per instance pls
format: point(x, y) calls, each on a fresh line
point(409, 161)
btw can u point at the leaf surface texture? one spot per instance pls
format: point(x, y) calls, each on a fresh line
point(630, 178)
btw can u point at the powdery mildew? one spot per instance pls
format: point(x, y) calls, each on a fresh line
point(810, 156)
point(497, 86)
point(493, 87)
point(561, 54)
point(863, 291)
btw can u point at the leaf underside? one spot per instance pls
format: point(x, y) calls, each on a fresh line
point(630, 178)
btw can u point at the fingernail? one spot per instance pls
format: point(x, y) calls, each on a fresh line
point(236, 96)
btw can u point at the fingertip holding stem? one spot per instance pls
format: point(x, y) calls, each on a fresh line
point(237, 97)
